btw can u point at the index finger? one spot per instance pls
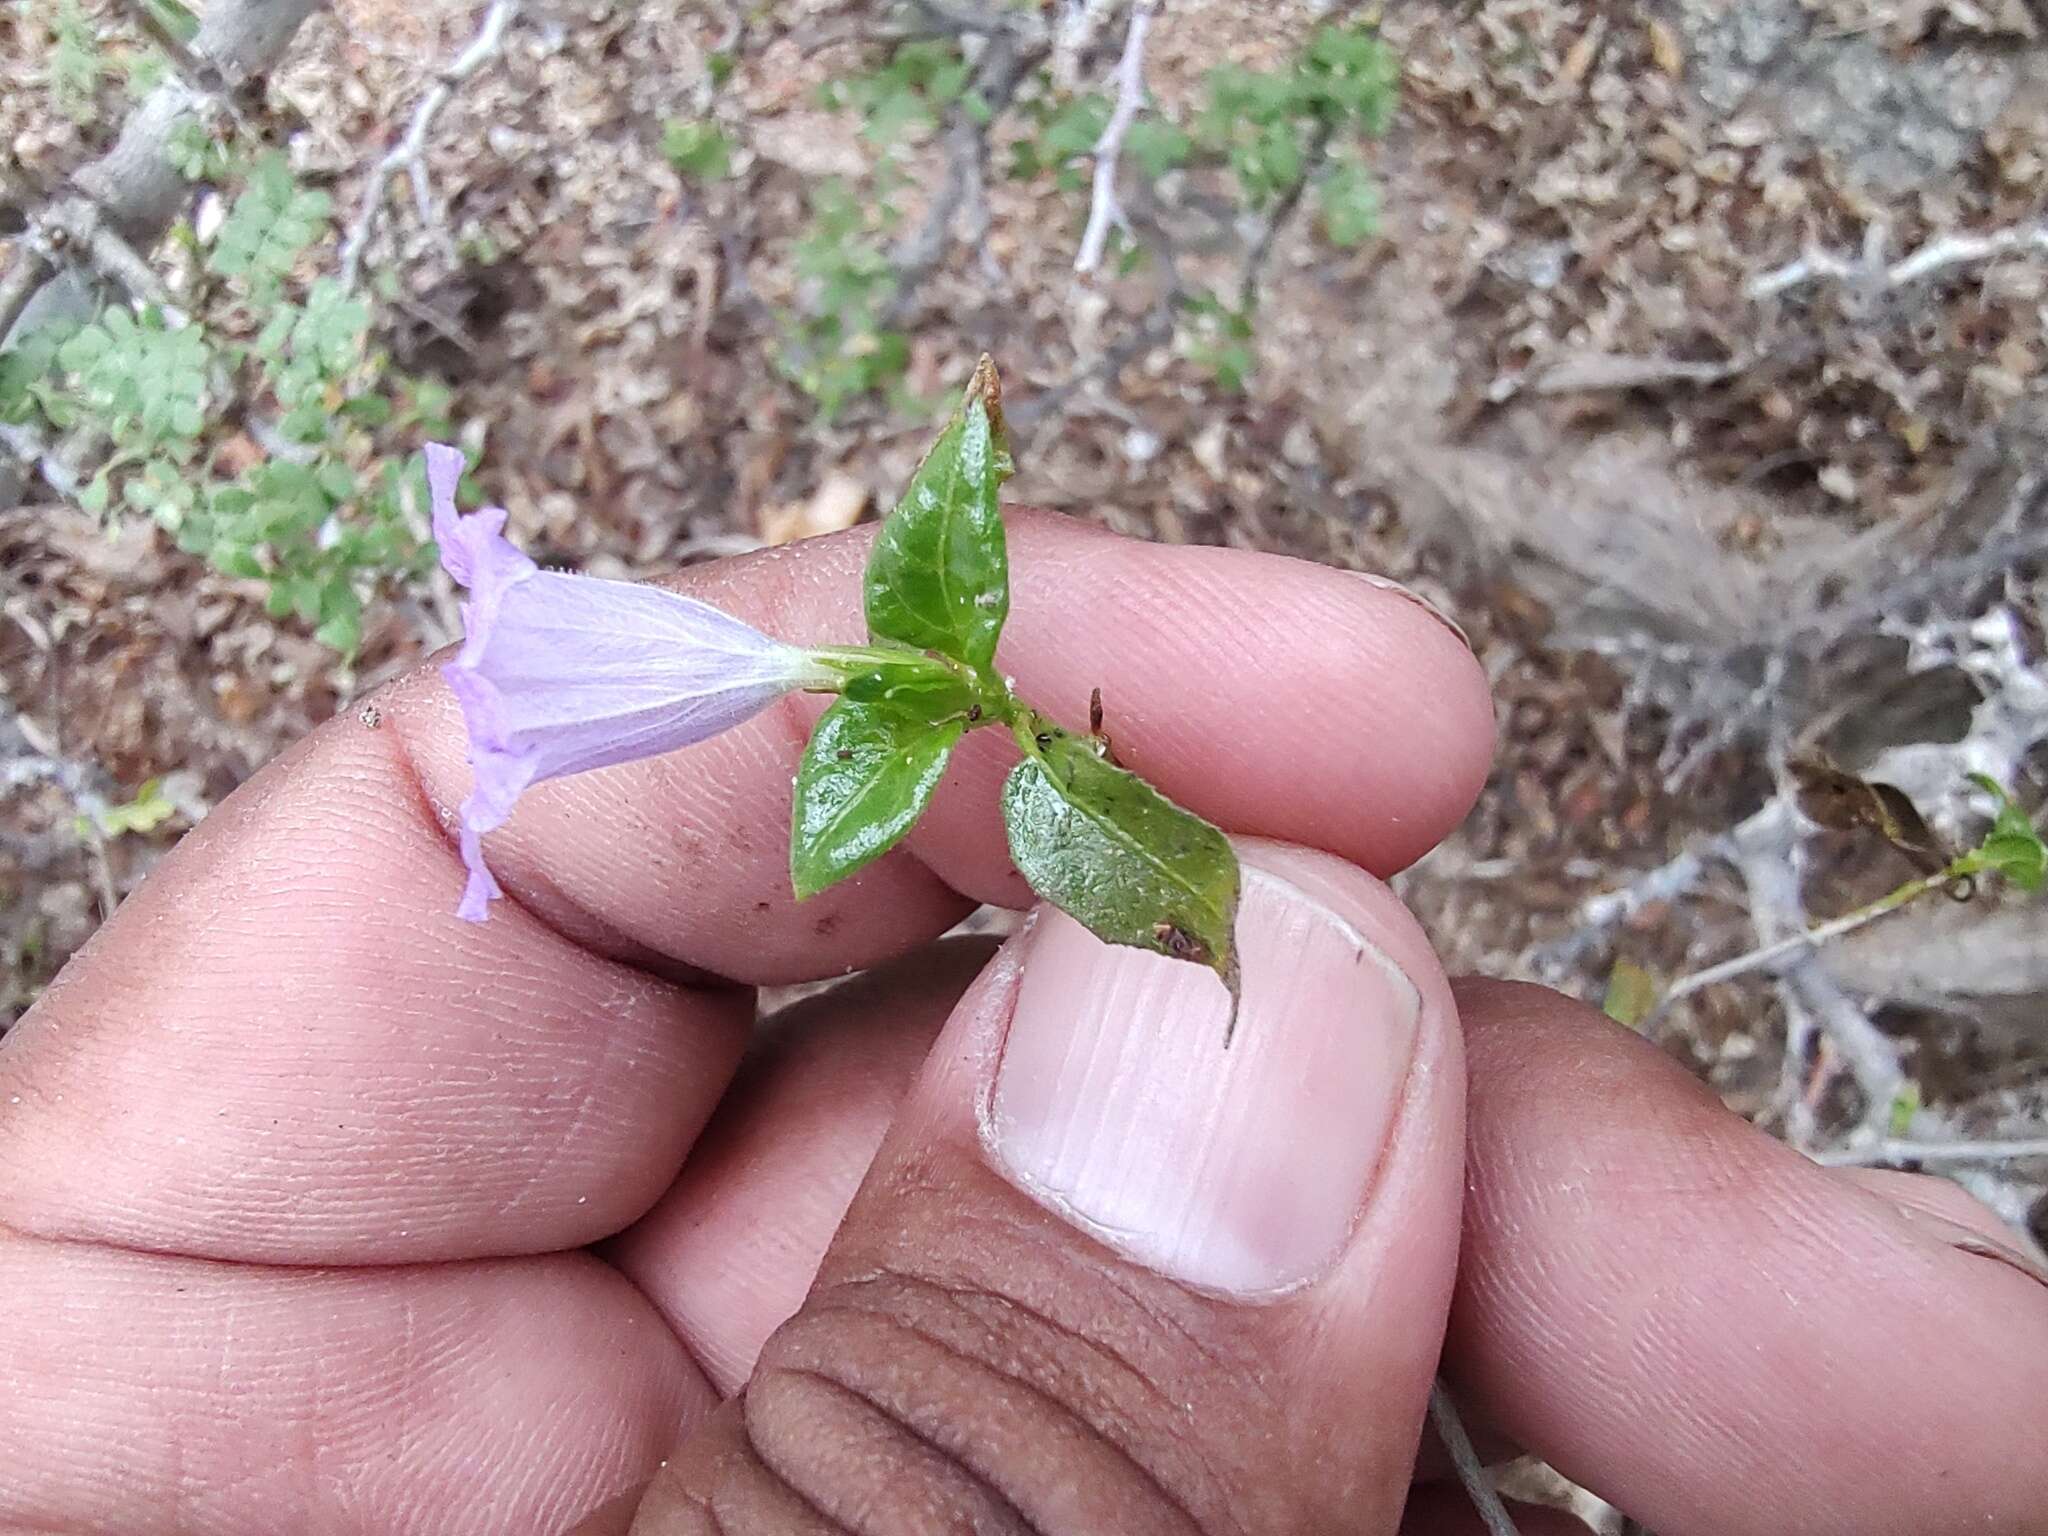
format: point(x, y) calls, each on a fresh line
point(286, 1046)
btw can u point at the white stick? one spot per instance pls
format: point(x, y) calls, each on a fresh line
point(1104, 211)
point(1807, 938)
point(1899, 1149)
point(409, 154)
point(1935, 256)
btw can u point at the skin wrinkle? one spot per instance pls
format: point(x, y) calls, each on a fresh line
point(267, 1181)
point(1000, 1503)
point(321, 1401)
point(970, 1299)
point(1063, 1410)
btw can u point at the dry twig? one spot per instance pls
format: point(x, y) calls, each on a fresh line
point(409, 154)
point(1905, 1149)
point(1104, 211)
point(1771, 955)
point(1871, 270)
point(1006, 62)
point(1450, 1429)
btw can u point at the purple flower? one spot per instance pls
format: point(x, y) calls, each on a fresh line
point(559, 673)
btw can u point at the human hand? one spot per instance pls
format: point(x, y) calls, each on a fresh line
point(323, 1212)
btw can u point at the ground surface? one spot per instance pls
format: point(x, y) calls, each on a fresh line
point(1545, 397)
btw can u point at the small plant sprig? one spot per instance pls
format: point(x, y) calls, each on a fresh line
point(325, 515)
point(2011, 848)
point(560, 673)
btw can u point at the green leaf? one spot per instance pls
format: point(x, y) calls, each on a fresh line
point(867, 775)
point(150, 809)
point(939, 578)
point(26, 365)
point(74, 68)
point(85, 348)
point(272, 221)
point(1631, 994)
point(1904, 1106)
point(1350, 200)
point(1074, 129)
point(2012, 847)
point(1119, 857)
point(1157, 147)
point(701, 151)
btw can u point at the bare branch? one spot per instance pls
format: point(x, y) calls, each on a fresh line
point(1901, 1149)
point(198, 71)
point(1005, 64)
point(75, 224)
point(1871, 271)
point(1104, 211)
point(409, 154)
point(1450, 1429)
point(135, 192)
point(1283, 212)
point(1770, 955)
point(1080, 22)
point(20, 285)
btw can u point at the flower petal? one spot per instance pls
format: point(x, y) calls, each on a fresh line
point(559, 673)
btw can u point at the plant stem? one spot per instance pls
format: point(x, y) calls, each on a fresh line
point(1812, 938)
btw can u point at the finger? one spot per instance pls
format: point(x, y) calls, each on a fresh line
point(1712, 1332)
point(284, 1048)
point(1439, 1511)
point(1252, 723)
point(158, 1396)
point(1106, 1276)
point(730, 1250)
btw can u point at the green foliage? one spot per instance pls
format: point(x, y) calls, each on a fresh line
point(142, 378)
point(150, 809)
point(1905, 1105)
point(174, 18)
point(902, 99)
point(1065, 133)
point(1274, 135)
point(196, 153)
point(699, 150)
point(839, 342)
point(75, 65)
point(1631, 994)
point(328, 511)
point(1271, 137)
point(1108, 849)
point(1218, 339)
point(1349, 198)
point(938, 577)
point(2012, 847)
point(1156, 146)
point(1086, 834)
point(839, 346)
point(25, 369)
point(867, 775)
point(271, 224)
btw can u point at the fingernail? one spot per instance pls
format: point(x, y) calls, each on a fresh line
point(1242, 1170)
point(1388, 584)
